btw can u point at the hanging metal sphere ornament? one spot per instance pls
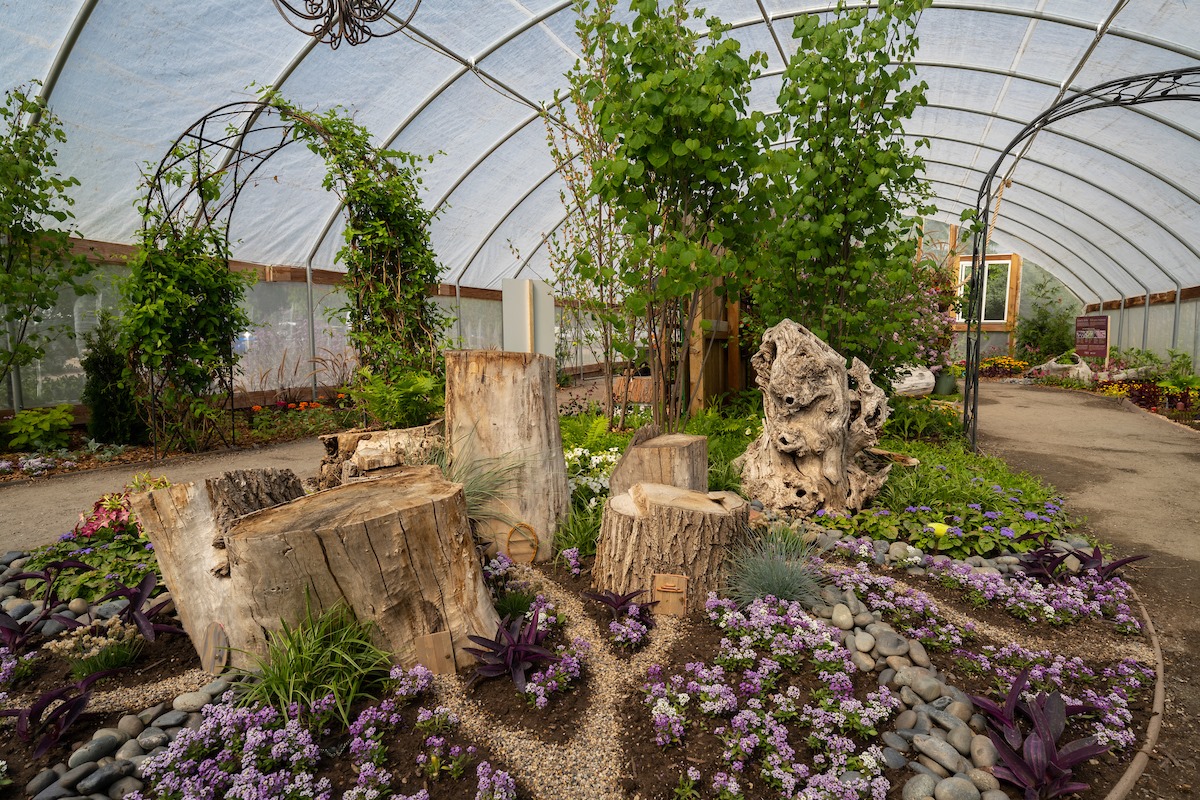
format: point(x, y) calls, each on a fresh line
point(353, 21)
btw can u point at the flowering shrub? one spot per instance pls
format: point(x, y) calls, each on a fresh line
point(494, 784)
point(243, 753)
point(560, 676)
point(588, 473)
point(1001, 367)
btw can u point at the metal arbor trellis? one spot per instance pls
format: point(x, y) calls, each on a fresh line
point(1154, 87)
point(352, 21)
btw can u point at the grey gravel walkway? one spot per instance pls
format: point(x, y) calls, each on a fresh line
point(37, 512)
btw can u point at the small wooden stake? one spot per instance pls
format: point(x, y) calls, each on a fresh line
point(436, 652)
point(671, 593)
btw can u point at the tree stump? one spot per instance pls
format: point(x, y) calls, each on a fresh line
point(504, 405)
point(398, 550)
point(656, 528)
point(675, 459)
point(820, 417)
point(187, 524)
point(338, 448)
point(393, 448)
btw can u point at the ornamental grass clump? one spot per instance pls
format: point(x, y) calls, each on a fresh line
point(774, 565)
point(105, 645)
point(329, 655)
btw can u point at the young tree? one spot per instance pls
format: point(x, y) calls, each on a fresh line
point(849, 185)
point(673, 105)
point(36, 261)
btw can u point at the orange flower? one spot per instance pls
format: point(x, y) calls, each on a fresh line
point(256, 408)
point(291, 405)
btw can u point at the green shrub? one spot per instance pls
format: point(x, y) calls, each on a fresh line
point(590, 432)
point(580, 529)
point(1049, 328)
point(402, 400)
point(922, 419)
point(330, 654)
point(777, 564)
point(40, 429)
point(114, 415)
point(514, 604)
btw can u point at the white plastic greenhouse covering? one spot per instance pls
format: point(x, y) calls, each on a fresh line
point(1107, 201)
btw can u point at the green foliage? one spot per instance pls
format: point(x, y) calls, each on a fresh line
point(590, 432)
point(580, 529)
point(36, 262)
point(390, 264)
point(183, 310)
point(272, 424)
point(777, 564)
point(40, 429)
point(728, 437)
point(1180, 376)
point(487, 481)
point(327, 654)
point(843, 252)
point(1049, 328)
point(672, 102)
point(922, 419)
point(403, 399)
point(513, 603)
point(113, 407)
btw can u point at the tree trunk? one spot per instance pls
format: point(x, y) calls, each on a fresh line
point(676, 459)
point(187, 524)
point(664, 529)
point(392, 448)
point(503, 405)
point(398, 550)
point(338, 448)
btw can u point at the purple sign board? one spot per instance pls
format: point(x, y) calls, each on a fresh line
point(1091, 337)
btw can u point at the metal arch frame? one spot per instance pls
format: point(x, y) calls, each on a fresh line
point(1169, 85)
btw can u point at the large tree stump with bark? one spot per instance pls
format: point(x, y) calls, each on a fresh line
point(674, 459)
point(656, 528)
point(187, 524)
point(398, 550)
point(356, 454)
point(820, 418)
point(502, 406)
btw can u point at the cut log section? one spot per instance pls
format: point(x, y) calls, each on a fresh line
point(502, 405)
point(656, 528)
point(356, 454)
point(398, 550)
point(675, 459)
point(187, 524)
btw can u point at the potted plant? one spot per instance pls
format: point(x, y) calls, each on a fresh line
point(946, 381)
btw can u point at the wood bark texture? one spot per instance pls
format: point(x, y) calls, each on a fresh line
point(398, 550)
point(338, 448)
point(391, 448)
point(655, 528)
point(187, 524)
point(675, 459)
point(820, 417)
point(503, 406)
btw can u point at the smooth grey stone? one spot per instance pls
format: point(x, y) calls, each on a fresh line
point(863, 618)
point(921, 769)
point(960, 710)
point(130, 749)
point(961, 738)
point(137, 762)
point(172, 733)
point(191, 701)
point(78, 606)
point(934, 767)
point(906, 719)
point(850, 776)
point(124, 786)
point(956, 695)
point(941, 701)
point(194, 721)
point(120, 735)
point(977, 723)
point(171, 719)
point(75, 774)
point(995, 794)
point(897, 550)
point(915, 571)
point(887, 676)
point(95, 749)
point(842, 618)
point(52, 627)
point(19, 609)
point(831, 596)
point(98, 796)
point(907, 733)
point(894, 759)
point(891, 644)
point(216, 688)
point(43, 778)
point(756, 505)
point(918, 787)
point(924, 724)
point(130, 725)
point(983, 752)
point(111, 608)
point(151, 738)
point(7, 590)
point(938, 734)
point(941, 752)
point(956, 789)
point(104, 777)
point(947, 721)
point(55, 791)
point(917, 653)
point(863, 661)
point(909, 697)
point(984, 781)
point(928, 687)
point(824, 612)
point(894, 741)
point(152, 712)
point(10, 556)
point(898, 662)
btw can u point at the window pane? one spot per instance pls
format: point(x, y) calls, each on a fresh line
point(995, 298)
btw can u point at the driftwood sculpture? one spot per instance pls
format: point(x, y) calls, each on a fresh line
point(820, 417)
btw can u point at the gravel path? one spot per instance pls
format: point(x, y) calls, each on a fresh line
point(37, 512)
point(589, 766)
